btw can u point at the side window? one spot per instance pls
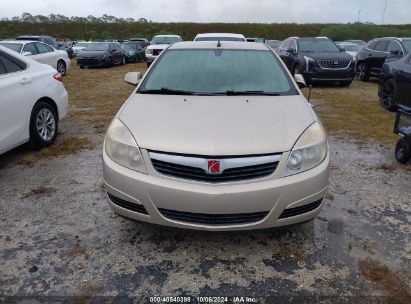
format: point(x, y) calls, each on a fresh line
point(293, 45)
point(382, 46)
point(286, 45)
point(394, 46)
point(42, 48)
point(30, 47)
point(372, 45)
point(11, 66)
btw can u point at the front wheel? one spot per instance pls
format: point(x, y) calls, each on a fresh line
point(387, 95)
point(123, 62)
point(403, 151)
point(61, 67)
point(345, 83)
point(43, 125)
point(297, 69)
point(363, 72)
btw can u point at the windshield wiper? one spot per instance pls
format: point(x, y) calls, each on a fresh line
point(166, 91)
point(255, 93)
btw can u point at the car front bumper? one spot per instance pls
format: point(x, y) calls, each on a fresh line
point(272, 195)
point(92, 62)
point(321, 75)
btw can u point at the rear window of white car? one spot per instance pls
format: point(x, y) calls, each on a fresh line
point(215, 71)
point(12, 46)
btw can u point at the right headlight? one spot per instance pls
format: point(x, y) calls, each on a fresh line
point(308, 62)
point(309, 151)
point(149, 51)
point(122, 148)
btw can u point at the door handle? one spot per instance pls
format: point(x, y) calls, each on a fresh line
point(25, 81)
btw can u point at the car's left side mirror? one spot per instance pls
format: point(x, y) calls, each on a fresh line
point(133, 78)
point(299, 79)
point(395, 52)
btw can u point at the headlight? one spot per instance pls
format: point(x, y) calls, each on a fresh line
point(308, 62)
point(122, 148)
point(309, 151)
point(131, 53)
point(104, 56)
point(149, 51)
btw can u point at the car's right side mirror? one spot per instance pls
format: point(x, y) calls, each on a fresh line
point(299, 79)
point(395, 52)
point(133, 78)
point(291, 51)
point(26, 53)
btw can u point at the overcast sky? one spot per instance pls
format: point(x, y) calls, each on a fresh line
point(270, 11)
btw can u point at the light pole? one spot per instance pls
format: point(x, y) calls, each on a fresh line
point(383, 13)
point(359, 14)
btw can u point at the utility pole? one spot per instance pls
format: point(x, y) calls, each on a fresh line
point(359, 14)
point(383, 13)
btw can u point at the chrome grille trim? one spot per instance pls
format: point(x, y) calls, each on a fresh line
point(231, 168)
point(330, 64)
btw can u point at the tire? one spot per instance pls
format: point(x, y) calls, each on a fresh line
point(388, 95)
point(148, 64)
point(61, 67)
point(363, 72)
point(43, 125)
point(345, 83)
point(81, 66)
point(403, 151)
point(123, 62)
point(109, 63)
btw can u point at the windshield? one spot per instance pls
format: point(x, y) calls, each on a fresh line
point(219, 39)
point(223, 72)
point(274, 44)
point(128, 47)
point(407, 45)
point(82, 44)
point(13, 46)
point(317, 46)
point(101, 46)
point(350, 47)
point(164, 40)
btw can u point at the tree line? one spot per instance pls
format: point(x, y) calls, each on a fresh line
point(111, 27)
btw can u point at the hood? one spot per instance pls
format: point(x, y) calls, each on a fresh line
point(328, 55)
point(158, 46)
point(85, 53)
point(216, 125)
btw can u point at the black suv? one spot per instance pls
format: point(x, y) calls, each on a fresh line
point(372, 56)
point(317, 59)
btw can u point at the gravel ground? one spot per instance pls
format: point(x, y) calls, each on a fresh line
point(60, 241)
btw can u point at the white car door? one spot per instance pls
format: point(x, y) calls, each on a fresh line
point(46, 55)
point(17, 91)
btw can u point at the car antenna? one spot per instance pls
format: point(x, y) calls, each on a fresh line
point(218, 43)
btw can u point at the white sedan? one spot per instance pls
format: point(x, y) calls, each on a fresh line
point(32, 101)
point(40, 52)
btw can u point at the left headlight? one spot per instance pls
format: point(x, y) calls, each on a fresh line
point(308, 62)
point(122, 148)
point(309, 151)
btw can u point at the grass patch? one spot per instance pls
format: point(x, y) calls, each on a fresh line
point(96, 94)
point(391, 284)
point(68, 146)
point(39, 191)
point(354, 112)
point(329, 197)
point(291, 252)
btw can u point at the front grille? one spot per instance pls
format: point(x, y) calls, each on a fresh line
point(157, 52)
point(334, 64)
point(300, 210)
point(214, 219)
point(127, 205)
point(89, 61)
point(228, 175)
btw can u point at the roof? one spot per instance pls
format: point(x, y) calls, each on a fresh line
point(20, 41)
point(231, 35)
point(167, 36)
point(225, 45)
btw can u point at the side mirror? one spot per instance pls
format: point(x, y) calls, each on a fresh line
point(27, 53)
point(299, 79)
point(395, 52)
point(342, 49)
point(133, 78)
point(112, 50)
